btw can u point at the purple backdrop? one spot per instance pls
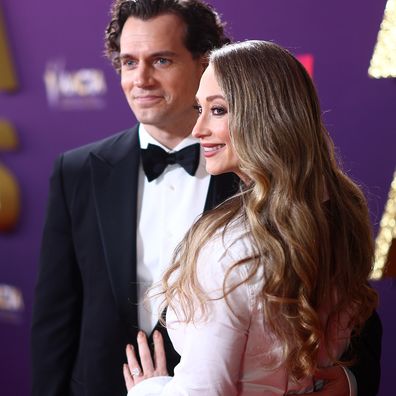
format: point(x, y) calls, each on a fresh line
point(65, 39)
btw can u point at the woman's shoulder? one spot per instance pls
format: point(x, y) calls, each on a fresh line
point(230, 243)
point(227, 255)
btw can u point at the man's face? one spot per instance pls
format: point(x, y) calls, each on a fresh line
point(158, 74)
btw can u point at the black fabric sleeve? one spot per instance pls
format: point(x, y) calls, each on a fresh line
point(58, 299)
point(366, 349)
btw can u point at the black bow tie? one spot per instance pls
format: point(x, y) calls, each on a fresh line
point(155, 160)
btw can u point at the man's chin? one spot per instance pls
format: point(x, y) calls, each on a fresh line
point(150, 116)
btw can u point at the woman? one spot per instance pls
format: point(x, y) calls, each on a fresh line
point(267, 287)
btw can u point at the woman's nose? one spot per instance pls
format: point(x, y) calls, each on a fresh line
point(200, 129)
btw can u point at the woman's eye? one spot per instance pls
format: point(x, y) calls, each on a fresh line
point(198, 108)
point(218, 110)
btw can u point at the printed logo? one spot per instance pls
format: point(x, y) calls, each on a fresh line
point(11, 304)
point(82, 89)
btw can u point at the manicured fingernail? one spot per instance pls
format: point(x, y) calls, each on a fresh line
point(140, 334)
point(156, 334)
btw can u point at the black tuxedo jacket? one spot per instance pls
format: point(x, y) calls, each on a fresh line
point(85, 305)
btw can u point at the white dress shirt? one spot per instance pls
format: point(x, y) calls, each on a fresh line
point(228, 354)
point(167, 207)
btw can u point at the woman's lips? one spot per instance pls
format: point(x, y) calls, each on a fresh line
point(212, 149)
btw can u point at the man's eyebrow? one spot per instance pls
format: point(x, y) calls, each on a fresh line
point(159, 54)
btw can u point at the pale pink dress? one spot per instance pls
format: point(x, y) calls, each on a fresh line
point(228, 353)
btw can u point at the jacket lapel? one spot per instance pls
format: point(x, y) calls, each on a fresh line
point(114, 171)
point(221, 187)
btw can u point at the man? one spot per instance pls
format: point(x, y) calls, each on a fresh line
point(108, 227)
point(114, 215)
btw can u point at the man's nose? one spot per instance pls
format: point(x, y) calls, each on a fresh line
point(143, 76)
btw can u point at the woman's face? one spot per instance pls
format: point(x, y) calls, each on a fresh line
point(212, 126)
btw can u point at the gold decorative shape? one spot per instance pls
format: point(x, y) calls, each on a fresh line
point(8, 80)
point(9, 200)
point(8, 137)
point(385, 244)
point(383, 62)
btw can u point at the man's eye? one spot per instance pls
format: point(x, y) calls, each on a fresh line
point(128, 63)
point(162, 61)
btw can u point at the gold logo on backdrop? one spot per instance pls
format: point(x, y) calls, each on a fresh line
point(9, 190)
point(383, 62)
point(385, 244)
point(8, 81)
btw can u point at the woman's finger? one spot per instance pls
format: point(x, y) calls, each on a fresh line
point(133, 364)
point(129, 383)
point(131, 357)
point(145, 354)
point(159, 354)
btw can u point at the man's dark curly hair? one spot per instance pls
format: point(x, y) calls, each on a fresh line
point(204, 29)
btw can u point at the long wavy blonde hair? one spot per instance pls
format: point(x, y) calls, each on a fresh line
point(309, 223)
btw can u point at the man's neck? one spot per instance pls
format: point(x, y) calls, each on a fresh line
point(169, 138)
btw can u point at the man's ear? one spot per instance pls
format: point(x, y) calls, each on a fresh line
point(204, 60)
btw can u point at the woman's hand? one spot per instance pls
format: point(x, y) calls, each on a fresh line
point(337, 382)
point(133, 373)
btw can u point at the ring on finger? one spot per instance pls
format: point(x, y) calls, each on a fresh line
point(135, 372)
